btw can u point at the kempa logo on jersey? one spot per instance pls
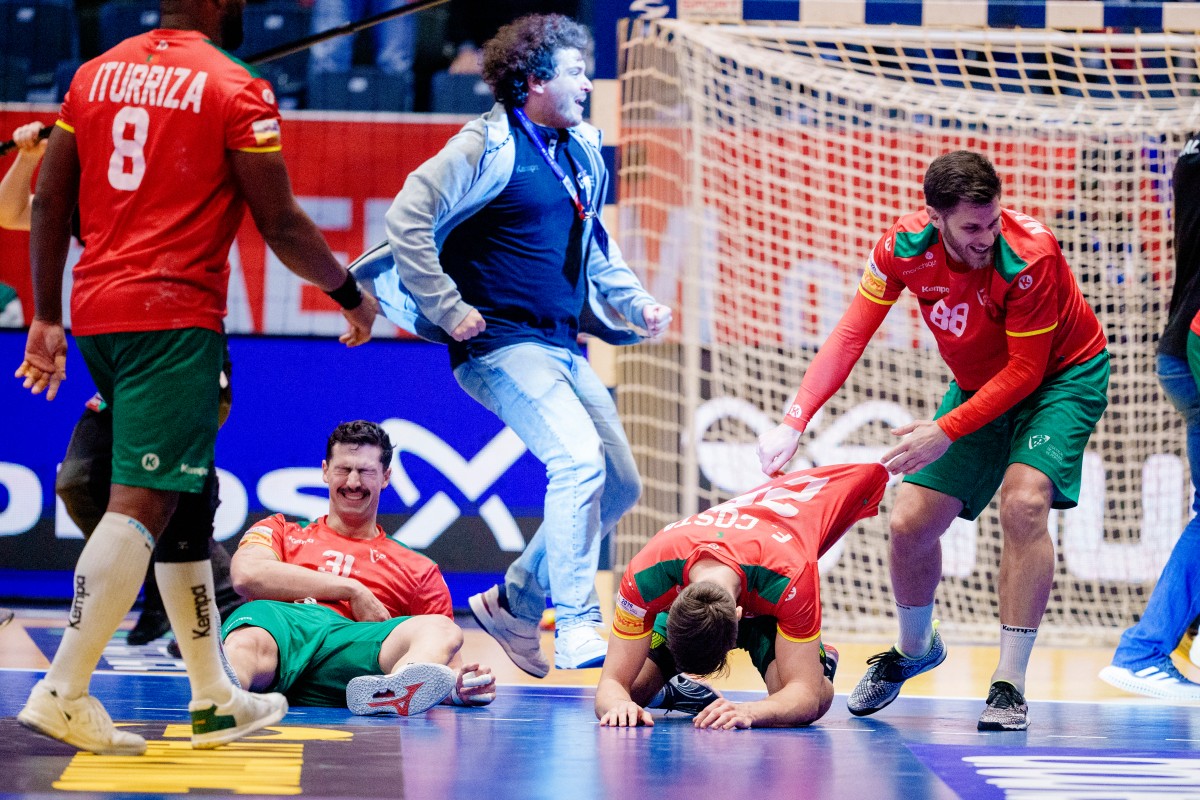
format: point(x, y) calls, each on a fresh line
point(939, 289)
point(1037, 440)
point(150, 462)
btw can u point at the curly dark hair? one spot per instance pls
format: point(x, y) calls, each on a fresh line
point(960, 176)
point(702, 628)
point(361, 432)
point(527, 47)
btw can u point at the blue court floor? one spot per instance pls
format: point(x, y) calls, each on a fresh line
point(543, 742)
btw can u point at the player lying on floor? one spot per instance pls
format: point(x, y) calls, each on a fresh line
point(340, 614)
point(741, 574)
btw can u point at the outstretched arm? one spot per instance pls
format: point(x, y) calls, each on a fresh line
point(614, 704)
point(291, 235)
point(824, 376)
point(798, 693)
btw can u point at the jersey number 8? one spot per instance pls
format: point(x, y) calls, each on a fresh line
point(128, 148)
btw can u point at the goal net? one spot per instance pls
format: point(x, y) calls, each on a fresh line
point(759, 165)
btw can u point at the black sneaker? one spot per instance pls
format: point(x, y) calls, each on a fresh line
point(888, 672)
point(683, 694)
point(152, 624)
point(829, 661)
point(1006, 709)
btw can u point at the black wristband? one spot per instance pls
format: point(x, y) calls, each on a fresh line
point(347, 295)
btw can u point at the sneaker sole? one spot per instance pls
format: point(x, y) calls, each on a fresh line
point(34, 723)
point(591, 663)
point(1000, 726)
point(1115, 676)
point(415, 689)
point(864, 712)
point(207, 741)
point(485, 621)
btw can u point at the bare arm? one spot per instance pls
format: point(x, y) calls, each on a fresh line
point(614, 705)
point(798, 693)
point(258, 574)
point(15, 197)
point(45, 363)
point(291, 235)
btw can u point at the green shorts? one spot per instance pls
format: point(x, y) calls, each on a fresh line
point(756, 635)
point(1049, 431)
point(164, 391)
point(320, 651)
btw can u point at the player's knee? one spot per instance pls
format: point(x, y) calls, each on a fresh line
point(251, 650)
point(188, 530)
point(910, 528)
point(1023, 515)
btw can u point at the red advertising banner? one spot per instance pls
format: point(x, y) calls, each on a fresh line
point(345, 170)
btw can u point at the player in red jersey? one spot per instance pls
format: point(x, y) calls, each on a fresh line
point(742, 574)
point(1030, 382)
point(162, 143)
point(342, 615)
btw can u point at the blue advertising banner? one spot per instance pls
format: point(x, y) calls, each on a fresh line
point(464, 490)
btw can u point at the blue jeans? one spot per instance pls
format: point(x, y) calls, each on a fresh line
point(558, 406)
point(395, 40)
point(1175, 601)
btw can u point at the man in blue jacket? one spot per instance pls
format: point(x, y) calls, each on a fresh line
point(495, 248)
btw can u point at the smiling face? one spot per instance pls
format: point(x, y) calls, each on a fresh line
point(356, 477)
point(558, 102)
point(969, 232)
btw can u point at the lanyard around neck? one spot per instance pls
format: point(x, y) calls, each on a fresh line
point(583, 207)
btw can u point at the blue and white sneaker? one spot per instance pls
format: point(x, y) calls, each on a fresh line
point(888, 672)
point(1160, 680)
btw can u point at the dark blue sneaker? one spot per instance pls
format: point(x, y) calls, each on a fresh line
point(888, 672)
point(683, 694)
point(829, 661)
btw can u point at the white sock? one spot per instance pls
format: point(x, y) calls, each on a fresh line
point(187, 592)
point(1016, 645)
point(109, 573)
point(916, 629)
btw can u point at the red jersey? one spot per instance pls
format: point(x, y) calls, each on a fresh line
point(771, 536)
point(972, 313)
point(406, 582)
point(154, 120)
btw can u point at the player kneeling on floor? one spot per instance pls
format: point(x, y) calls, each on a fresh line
point(741, 574)
point(341, 614)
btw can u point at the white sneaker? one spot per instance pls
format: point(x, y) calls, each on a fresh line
point(520, 639)
point(413, 689)
point(81, 723)
point(579, 648)
point(216, 724)
point(1162, 680)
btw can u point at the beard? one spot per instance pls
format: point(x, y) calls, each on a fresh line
point(232, 31)
point(967, 256)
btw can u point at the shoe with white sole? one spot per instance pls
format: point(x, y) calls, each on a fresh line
point(579, 648)
point(413, 689)
point(215, 724)
point(521, 640)
point(82, 722)
point(1160, 680)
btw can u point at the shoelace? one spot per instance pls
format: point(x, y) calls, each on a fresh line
point(1004, 696)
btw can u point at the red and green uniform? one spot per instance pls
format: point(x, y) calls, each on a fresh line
point(771, 536)
point(155, 119)
point(406, 582)
point(321, 647)
point(1002, 330)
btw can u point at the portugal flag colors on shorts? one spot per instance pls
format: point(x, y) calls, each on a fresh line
point(154, 120)
point(771, 536)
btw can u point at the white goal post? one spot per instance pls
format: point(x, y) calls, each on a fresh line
point(760, 163)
